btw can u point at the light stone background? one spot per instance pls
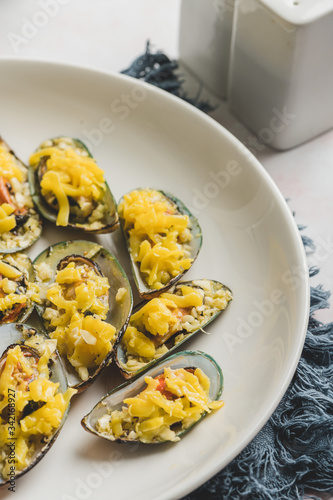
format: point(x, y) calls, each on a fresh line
point(109, 34)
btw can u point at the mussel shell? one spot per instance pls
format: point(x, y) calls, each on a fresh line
point(110, 221)
point(79, 258)
point(120, 354)
point(23, 316)
point(118, 315)
point(144, 290)
point(27, 244)
point(185, 359)
point(10, 335)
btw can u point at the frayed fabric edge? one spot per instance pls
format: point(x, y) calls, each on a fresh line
point(293, 453)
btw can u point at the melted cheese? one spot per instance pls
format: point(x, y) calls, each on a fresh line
point(160, 314)
point(9, 167)
point(7, 220)
point(138, 343)
point(9, 300)
point(69, 174)
point(84, 339)
point(157, 234)
point(148, 417)
point(158, 317)
point(9, 271)
point(86, 296)
point(30, 385)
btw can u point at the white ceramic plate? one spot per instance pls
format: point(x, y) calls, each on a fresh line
point(144, 137)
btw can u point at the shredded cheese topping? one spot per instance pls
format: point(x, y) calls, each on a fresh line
point(157, 320)
point(78, 288)
point(7, 220)
point(177, 399)
point(9, 167)
point(69, 174)
point(158, 235)
point(25, 379)
point(8, 270)
point(19, 222)
point(185, 310)
point(84, 339)
point(15, 287)
point(160, 314)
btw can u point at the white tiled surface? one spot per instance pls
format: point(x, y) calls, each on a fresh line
point(109, 34)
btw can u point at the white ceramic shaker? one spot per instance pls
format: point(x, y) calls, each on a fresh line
point(281, 68)
point(204, 41)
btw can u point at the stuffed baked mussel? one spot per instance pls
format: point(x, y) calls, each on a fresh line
point(163, 238)
point(34, 399)
point(161, 405)
point(18, 292)
point(86, 302)
point(69, 188)
point(163, 323)
point(20, 225)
